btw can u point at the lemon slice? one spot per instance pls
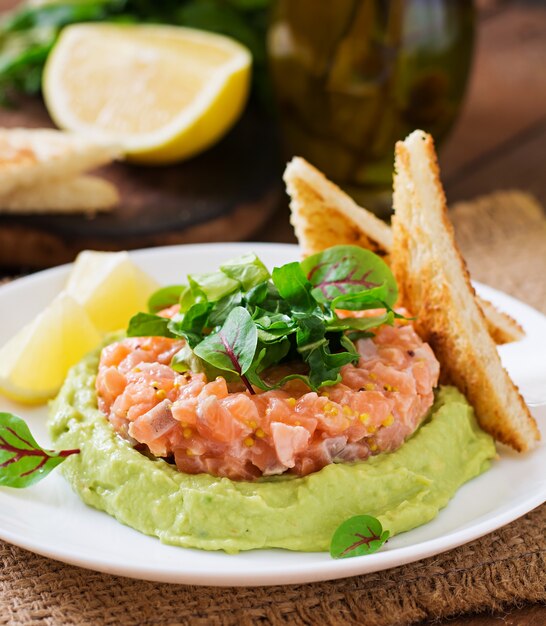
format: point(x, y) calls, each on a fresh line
point(34, 362)
point(110, 287)
point(163, 93)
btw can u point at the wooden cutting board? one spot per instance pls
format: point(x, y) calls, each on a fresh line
point(224, 194)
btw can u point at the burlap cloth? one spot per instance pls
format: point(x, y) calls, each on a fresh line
point(504, 240)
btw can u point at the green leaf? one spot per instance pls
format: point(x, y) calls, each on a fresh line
point(192, 321)
point(359, 535)
point(165, 297)
point(149, 325)
point(267, 296)
point(185, 360)
point(373, 299)
point(294, 287)
point(360, 323)
point(22, 461)
point(189, 296)
point(214, 285)
point(346, 270)
point(257, 294)
point(311, 333)
point(233, 347)
point(223, 307)
point(324, 367)
point(248, 270)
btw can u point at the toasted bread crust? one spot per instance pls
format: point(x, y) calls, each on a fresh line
point(502, 328)
point(435, 286)
point(323, 215)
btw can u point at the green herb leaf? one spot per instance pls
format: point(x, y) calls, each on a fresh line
point(346, 270)
point(214, 285)
point(165, 297)
point(294, 287)
point(248, 270)
point(232, 348)
point(149, 325)
point(359, 535)
point(22, 461)
point(223, 307)
point(360, 323)
point(192, 321)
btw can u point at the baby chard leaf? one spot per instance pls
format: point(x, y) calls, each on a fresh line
point(346, 270)
point(232, 348)
point(22, 461)
point(359, 535)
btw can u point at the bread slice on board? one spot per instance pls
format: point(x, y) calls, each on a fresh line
point(82, 194)
point(30, 157)
point(435, 286)
point(323, 215)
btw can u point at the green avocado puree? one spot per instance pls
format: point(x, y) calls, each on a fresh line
point(403, 489)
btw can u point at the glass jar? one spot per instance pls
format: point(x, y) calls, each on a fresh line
point(351, 77)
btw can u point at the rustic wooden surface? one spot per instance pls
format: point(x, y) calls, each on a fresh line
point(499, 142)
point(224, 194)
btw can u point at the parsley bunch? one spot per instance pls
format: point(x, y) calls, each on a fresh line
point(240, 320)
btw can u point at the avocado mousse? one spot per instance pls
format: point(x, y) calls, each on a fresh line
point(403, 489)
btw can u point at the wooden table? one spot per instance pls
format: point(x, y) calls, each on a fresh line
point(498, 142)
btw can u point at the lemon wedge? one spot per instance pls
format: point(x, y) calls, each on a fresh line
point(34, 362)
point(162, 93)
point(110, 287)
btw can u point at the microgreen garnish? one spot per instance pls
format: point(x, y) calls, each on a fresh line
point(232, 348)
point(240, 320)
point(22, 461)
point(348, 276)
point(356, 536)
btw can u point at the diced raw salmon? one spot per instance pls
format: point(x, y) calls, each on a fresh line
point(210, 426)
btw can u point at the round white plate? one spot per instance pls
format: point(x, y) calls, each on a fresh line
point(49, 518)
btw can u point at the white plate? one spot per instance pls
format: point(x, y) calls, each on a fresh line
point(50, 519)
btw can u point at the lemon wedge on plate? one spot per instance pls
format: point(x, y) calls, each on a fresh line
point(110, 287)
point(162, 93)
point(35, 361)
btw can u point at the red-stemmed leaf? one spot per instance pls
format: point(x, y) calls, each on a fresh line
point(341, 272)
point(22, 461)
point(232, 348)
point(359, 535)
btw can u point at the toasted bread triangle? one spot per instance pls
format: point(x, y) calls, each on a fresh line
point(323, 215)
point(435, 286)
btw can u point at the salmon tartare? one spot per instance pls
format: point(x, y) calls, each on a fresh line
point(221, 429)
